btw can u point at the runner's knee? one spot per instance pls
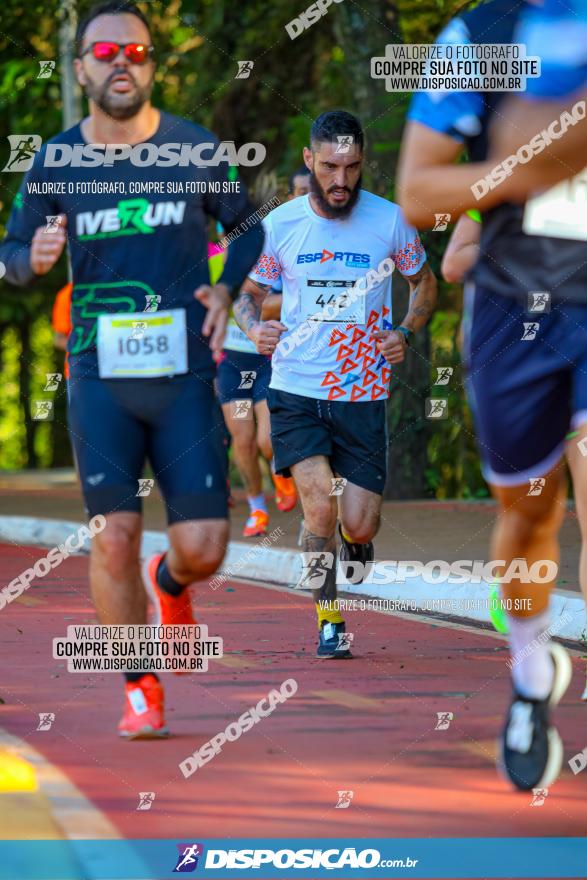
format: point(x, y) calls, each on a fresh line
point(359, 527)
point(200, 554)
point(532, 521)
point(117, 548)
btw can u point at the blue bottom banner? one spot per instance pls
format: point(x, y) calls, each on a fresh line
point(304, 858)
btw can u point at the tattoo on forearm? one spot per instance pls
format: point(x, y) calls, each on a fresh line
point(420, 286)
point(424, 310)
point(246, 311)
point(312, 543)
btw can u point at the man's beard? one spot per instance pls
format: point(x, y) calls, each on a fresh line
point(116, 105)
point(334, 212)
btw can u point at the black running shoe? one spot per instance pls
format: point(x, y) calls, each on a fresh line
point(350, 552)
point(333, 644)
point(531, 748)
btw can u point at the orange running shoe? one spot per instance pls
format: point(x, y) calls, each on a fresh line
point(168, 609)
point(143, 710)
point(285, 492)
point(256, 525)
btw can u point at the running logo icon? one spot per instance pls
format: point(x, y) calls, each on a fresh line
point(53, 223)
point(244, 69)
point(338, 484)
point(539, 795)
point(189, 854)
point(530, 330)
point(444, 719)
point(138, 329)
point(23, 149)
point(345, 641)
point(42, 410)
point(46, 719)
point(153, 300)
point(146, 799)
point(242, 409)
point(53, 380)
point(538, 301)
point(247, 379)
point(316, 567)
point(345, 142)
point(536, 486)
point(144, 489)
point(344, 800)
point(444, 375)
point(441, 222)
point(436, 408)
point(46, 69)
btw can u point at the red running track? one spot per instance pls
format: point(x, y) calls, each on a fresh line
point(365, 725)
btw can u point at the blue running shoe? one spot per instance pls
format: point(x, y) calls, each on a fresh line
point(333, 644)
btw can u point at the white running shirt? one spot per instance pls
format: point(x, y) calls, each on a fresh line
point(317, 260)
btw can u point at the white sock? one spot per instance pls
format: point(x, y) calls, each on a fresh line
point(257, 502)
point(531, 663)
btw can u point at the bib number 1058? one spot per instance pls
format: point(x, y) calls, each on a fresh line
point(139, 345)
point(142, 345)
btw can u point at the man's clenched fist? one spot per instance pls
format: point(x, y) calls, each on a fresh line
point(47, 247)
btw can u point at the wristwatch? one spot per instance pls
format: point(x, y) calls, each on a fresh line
point(406, 332)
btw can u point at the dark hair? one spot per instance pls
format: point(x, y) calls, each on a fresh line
point(302, 171)
point(110, 7)
point(335, 122)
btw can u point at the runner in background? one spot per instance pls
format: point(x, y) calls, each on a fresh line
point(463, 248)
point(242, 383)
point(61, 322)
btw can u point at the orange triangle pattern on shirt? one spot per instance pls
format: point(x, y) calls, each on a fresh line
point(372, 318)
point(369, 377)
point(357, 392)
point(349, 365)
point(377, 391)
point(385, 375)
point(363, 348)
point(343, 351)
point(336, 392)
point(330, 379)
point(385, 311)
point(336, 336)
point(367, 362)
point(358, 334)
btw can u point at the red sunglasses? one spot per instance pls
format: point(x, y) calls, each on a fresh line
point(106, 50)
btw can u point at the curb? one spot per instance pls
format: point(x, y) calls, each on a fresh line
point(258, 562)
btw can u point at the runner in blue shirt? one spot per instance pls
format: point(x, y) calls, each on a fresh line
point(525, 347)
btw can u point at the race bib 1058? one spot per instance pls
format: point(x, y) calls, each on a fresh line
point(142, 345)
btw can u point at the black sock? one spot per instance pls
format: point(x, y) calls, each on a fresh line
point(136, 676)
point(166, 582)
